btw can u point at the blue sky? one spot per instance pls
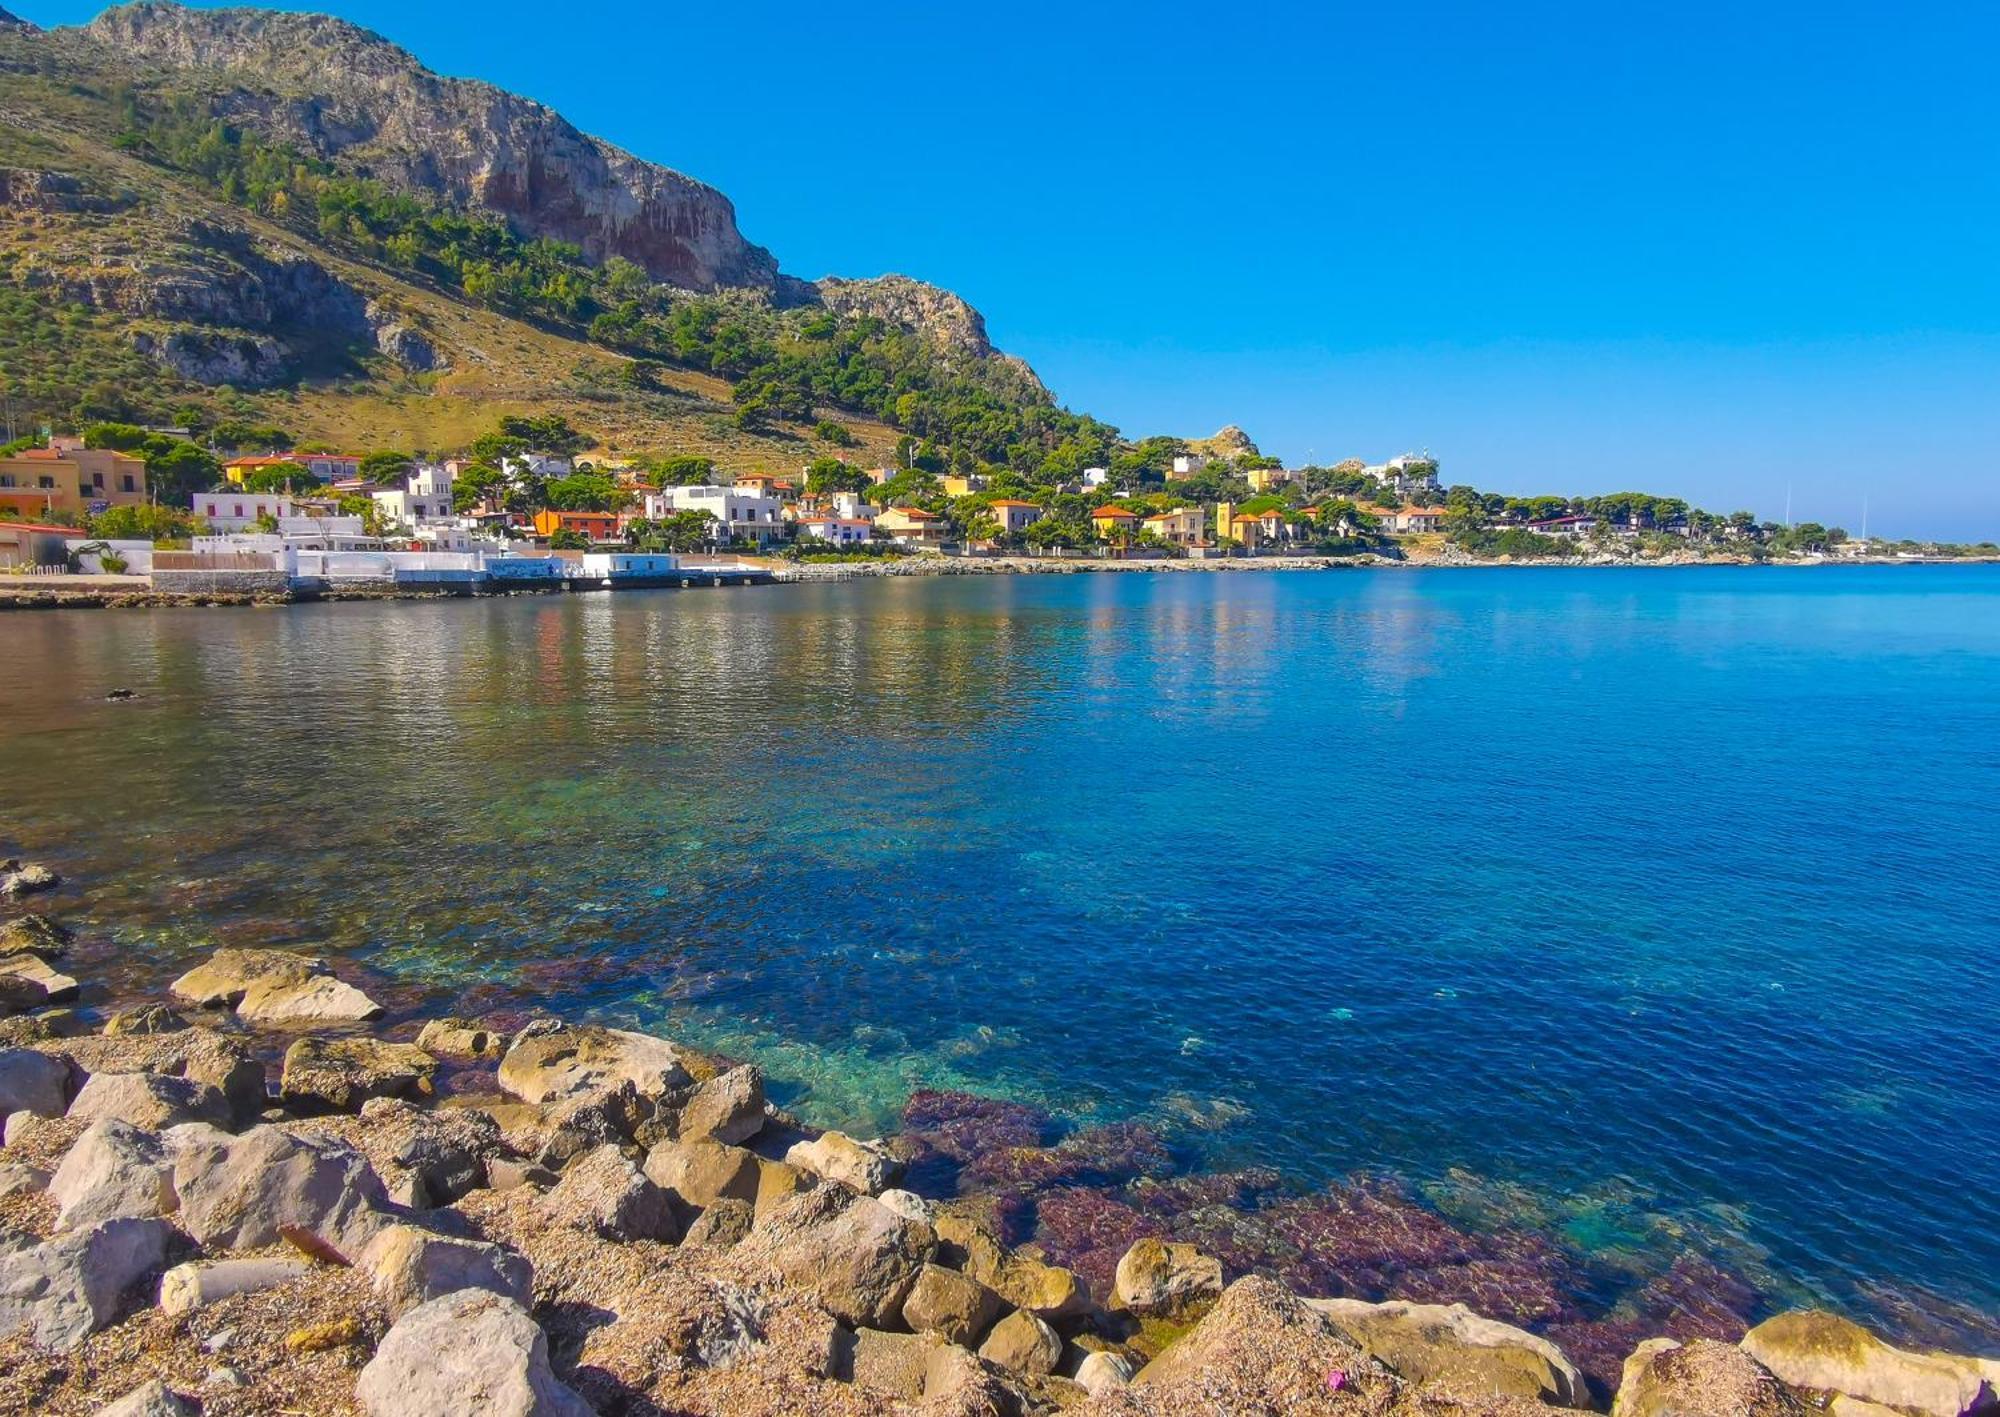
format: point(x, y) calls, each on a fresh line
point(1566, 247)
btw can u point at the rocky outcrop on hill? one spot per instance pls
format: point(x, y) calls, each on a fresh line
point(345, 94)
point(8, 21)
point(946, 320)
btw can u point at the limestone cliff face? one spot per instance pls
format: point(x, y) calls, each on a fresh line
point(341, 92)
point(945, 319)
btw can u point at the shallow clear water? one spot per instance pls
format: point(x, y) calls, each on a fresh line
point(1619, 900)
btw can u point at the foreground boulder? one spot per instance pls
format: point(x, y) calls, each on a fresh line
point(33, 1082)
point(65, 1289)
point(835, 1156)
point(564, 1062)
point(1704, 1378)
point(113, 1171)
point(1824, 1353)
point(243, 1192)
point(858, 1257)
point(1023, 1344)
point(154, 1101)
point(468, 1354)
point(409, 1267)
point(953, 1304)
point(340, 1074)
point(1155, 1277)
point(606, 1194)
point(1261, 1349)
point(1452, 1349)
point(728, 1108)
point(704, 1172)
point(886, 1362)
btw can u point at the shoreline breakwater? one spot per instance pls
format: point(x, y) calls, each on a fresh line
point(254, 1189)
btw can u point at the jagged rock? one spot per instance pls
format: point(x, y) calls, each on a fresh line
point(953, 1304)
point(1261, 1348)
point(237, 1192)
point(19, 879)
point(584, 1121)
point(1047, 1290)
point(201, 1055)
point(154, 1101)
point(858, 1257)
point(835, 1156)
point(894, 1363)
point(429, 1157)
point(566, 1062)
point(65, 1289)
point(461, 1038)
point(152, 1398)
point(606, 1193)
point(722, 1225)
point(1023, 1343)
point(408, 1267)
point(27, 981)
point(728, 1108)
point(1822, 1352)
point(958, 1384)
point(467, 1354)
point(19, 1180)
point(1101, 1372)
point(33, 1082)
point(967, 1242)
point(1155, 1277)
point(340, 1074)
point(191, 1286)
point(907, 1204)
point(146, 1019)
point(1456, 1350)
point(216, 357)
point(112, 1172)
point(397, 338)
point(704, 1172)
point(778, 1182)
point(1662, 1378)
point(37, 935)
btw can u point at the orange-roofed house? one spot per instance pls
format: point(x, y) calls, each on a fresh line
point(1014, 514)
point(1114, 524)
point(1180, 527)
point(913, 526)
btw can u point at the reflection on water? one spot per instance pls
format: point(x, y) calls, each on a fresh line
point(1628, 904)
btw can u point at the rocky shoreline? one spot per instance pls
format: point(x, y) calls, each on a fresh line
point(259, 1193)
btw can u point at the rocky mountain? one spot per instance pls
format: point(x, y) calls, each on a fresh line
point(344, 94)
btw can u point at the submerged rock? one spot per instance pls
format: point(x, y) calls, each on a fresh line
point(37, 935)
point(468, 1354)
point(19, 879)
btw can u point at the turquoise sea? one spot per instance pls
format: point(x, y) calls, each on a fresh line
point(1645, 914)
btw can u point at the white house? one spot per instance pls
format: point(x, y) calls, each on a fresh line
point(1188, 464)
point(425, 495)
point(236, 510)
point(840, 531)
point(745, 516)
point(1096, 476)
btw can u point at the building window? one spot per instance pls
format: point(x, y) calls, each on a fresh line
point(97, 479)
point(128, 483)
point(45, 482)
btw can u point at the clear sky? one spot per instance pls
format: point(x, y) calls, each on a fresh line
point(1714, 250)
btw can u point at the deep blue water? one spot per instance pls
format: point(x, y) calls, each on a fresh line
point(1629, 900)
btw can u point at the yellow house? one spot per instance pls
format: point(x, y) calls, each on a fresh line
point(956, 486)
point(1181, 526)
point(1114, 523)
point(913, 526)
point(1263, 479)
point(66, 478)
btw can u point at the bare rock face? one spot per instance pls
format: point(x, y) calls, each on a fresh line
point(943, 318)
point(150, 1100)
point(33, 1082)
point(605, 1193)
point(244, 1192)
point(113, 1171)
point(1663, 1378)
point(216, 357)
point(342, 93)
point(68, 1288)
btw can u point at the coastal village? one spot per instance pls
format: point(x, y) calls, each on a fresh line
point(525, 519)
